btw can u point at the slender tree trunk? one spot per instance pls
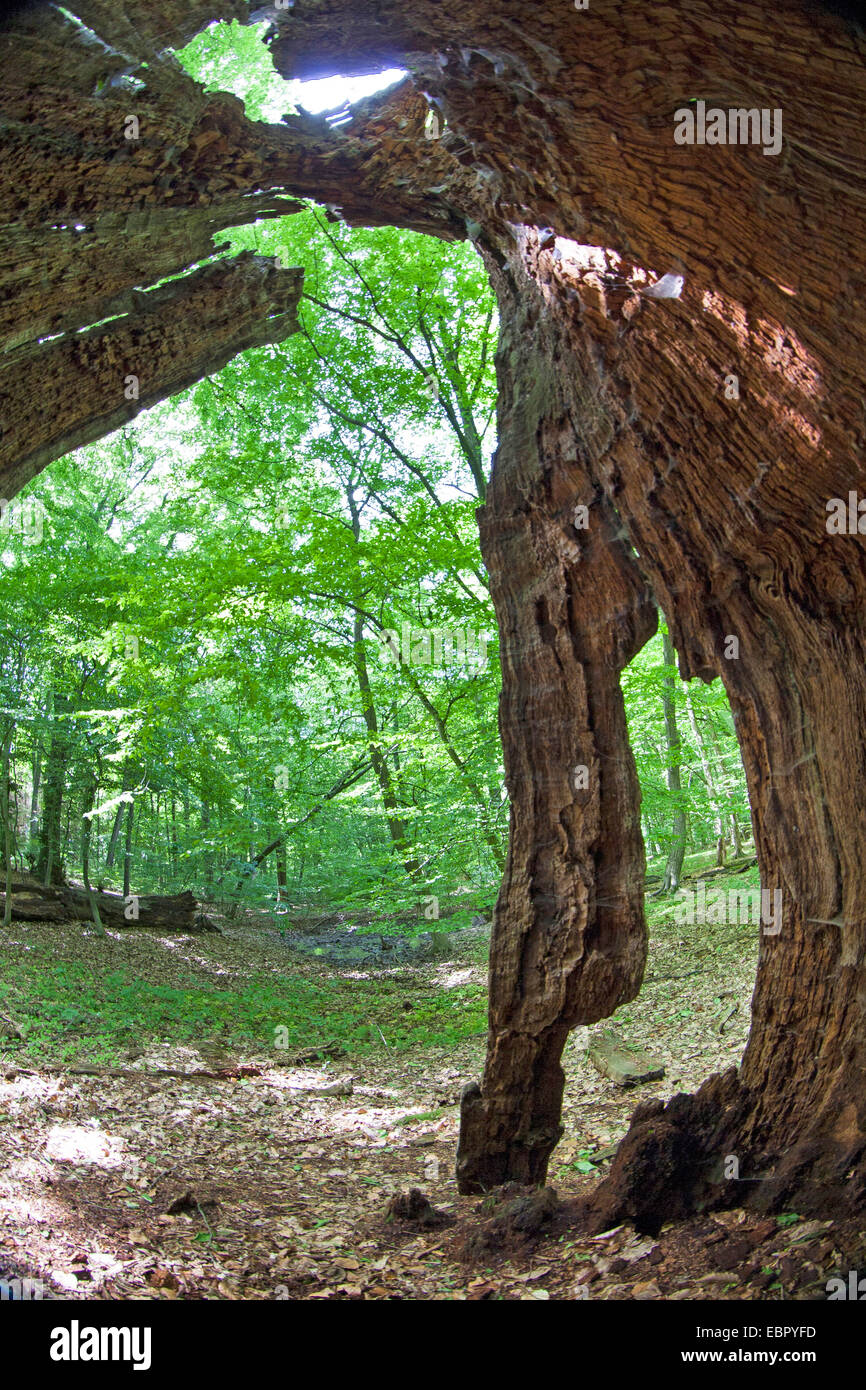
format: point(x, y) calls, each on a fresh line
point(115, 835)
point(118, 820)
point(397, 829)
point(86, 827)
point(205, 830)
point(473, 790)
point(49, 865)
point(7, 820)
point(726, 781)
point(713, 795)
point(396, 825)
point(157, 837)
point(127, 850)
point(677, 851)
point(33, 830)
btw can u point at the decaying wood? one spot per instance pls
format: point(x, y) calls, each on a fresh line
point(176, 912)
point(55, 397)
point(623, 1065)
point(568, 941)
point(236, 1072)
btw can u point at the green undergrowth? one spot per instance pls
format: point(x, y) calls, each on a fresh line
point(100, 1010)
point(71, 1012)
point(664, 913)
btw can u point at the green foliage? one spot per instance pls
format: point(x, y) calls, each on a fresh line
point(583, 1163)
point(234, 58)
point(252, 621)
point(714, 786)
point(71, 1012)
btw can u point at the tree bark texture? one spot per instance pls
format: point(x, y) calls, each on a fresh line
point(176, 912)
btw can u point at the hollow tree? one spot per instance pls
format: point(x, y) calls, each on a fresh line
point(678, 451)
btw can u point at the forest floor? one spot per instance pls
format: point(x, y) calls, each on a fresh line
point(248, 1184)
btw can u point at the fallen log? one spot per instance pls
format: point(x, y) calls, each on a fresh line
point(236, 1072)
point(65, 902)
point(624, 1066)
point(232, 1071)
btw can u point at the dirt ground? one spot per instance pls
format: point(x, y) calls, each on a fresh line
point(148, 1186)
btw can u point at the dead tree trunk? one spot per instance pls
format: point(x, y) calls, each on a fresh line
point(790, 1127)
point(568, 940)
point(65, 902)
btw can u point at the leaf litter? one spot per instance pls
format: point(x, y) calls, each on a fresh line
point(284, 1179)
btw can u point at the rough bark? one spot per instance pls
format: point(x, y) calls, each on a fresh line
point(176, 912)
point(568, 940)
point(56, 397)
point(563, 120)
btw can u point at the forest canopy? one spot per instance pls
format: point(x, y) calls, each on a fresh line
point(258, 616)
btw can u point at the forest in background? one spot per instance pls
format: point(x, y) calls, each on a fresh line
point(249, 647)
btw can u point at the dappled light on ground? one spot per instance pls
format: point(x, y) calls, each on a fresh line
point(276, 1182)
